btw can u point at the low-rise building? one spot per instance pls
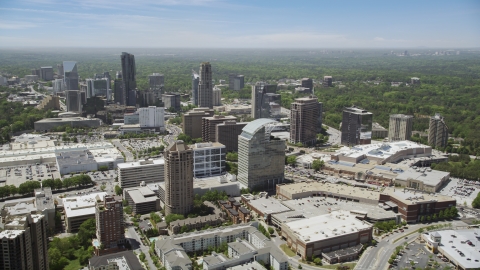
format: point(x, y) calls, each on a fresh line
point(264, 207)
point(196, 223)
point(79, 209)
point(131, 174)
point(143, 200)
point(208, 159)
point(48, 124)
point(120, 260)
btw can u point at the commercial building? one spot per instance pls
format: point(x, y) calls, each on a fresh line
point(118, 92)
point(263, 96)
point(337, 230)
point(378, 131)
point(327, 81)
point(400, 127)
point(205, 88)
point(437, 131)
point(307, 83)
point(171, 100)
point(49, 103)
point(70, 75)
point(79, 209)
point(356, 126)
point(424, 179)
point(415, 80)
point(128, 78)
point(47, 124)
point(156, 81)
point(78, 161)
point(172, 250)
point(208, 159)
point(46, 73)
point(209, 126)
point(131, 118)
point(192, 121)
point(121, 260)
point(74, 100)
point(305, 120)
point(261, 158)
point(236, 82)
point(178, 179)
point(227, 134)
point(217, 96)
point(152, 118)
point(132, 174)
point(58, 85)
point(109, 224)
point(24, 242)
point(143, 200)
point(195, 81)
point(263, 206)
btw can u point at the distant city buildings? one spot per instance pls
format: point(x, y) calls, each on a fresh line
point(129, 79)
point(356, 126)
point(205, 88)
point(437, 131)
point(192, 121)
point(327, 81)
point(400, 127)
point(46, 73)
point(261, 159)
point(263, 97)
point(415, 80)
point(118, 92)
point(74, 100)
point(236, 82)
point(305, 120)
point(178, 179)
point(217, 96)
point(156, 81)
point(70, 75)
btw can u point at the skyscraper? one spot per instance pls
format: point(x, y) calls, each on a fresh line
point(24, 243)
point(192, 121)
point(118, 93)
point(308, 83)
point(437, 131)
point(236, 82)
point(205, 88)
point(178, 179)
point(60, 70)
point(74, 100)
point(261, 159)
point(129, 78)
point(70, 75)
point(262, 95)
point(58, 85)
point(195, 81)
point(109, 222)
point(400, 127)
point(327, 81)
point(216, 96)
point(305, 120)
point(356, 126)
point(90, 88)
point(156, 82)
point(46, 73)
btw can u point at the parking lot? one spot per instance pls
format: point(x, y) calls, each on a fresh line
point(463, 191)
point(16, 175)
point(417, 253)
point(139, 147)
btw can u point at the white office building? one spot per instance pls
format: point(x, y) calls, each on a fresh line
point(152, 117)
point(131, 174)
point(208, 159)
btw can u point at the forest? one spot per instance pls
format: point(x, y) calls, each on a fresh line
point(450, 84)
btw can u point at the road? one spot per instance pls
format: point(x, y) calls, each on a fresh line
point(128, 155)
point(132, 236)
point(377, 257)
point(174, 131)
point(334, 136)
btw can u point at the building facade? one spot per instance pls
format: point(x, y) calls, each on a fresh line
point(262, 99)
point(128, 78)
point(195, 81)
point(236, 82)
point(261, 159)
point(327, 81)
point(109, 222)
point(400, 127)
point(74, 100)
point(178, 179)
point(356, 126)
point(227, 133)
point(209, 124)
point(132, 174)
point(70, 75)
point(208, 159)
point(156, 81)
point(437, 131)
point(46, 73)
point(217, 96)
point(152, 117)
point(305, 120)
point(192, 121)
point(172, 100)
point(308, 83)
point(205, 87)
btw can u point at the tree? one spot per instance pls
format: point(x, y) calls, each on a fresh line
point(118, 190)
point(271, 230)
point(232, 156)
point(172, 217)
point(103, 168)
point(300, 266)
point(291, 160)
point(317, 261)
point(476, 201)
point(127, 210)
point(142, 256)
point(317, 164)
point(86, 232)
point(103, 187)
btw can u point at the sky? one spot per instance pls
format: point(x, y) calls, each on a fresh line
point(240, 24)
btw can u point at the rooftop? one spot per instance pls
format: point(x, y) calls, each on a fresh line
point(256, 125)
point(268, 205)
point(82, 205)
point(207, 145)
point(348, 191)
point(452, 241)
point(380, 150)
point(141, 194)
point(413, 196)
point(142, 163)
point(67, 119)
point(327, 226)
point(426, 175)
point(126, 260)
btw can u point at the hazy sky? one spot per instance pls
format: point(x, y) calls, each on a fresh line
point(239, 24)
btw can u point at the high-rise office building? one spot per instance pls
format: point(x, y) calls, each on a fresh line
point(109, 222)
point(24, 243)
point(74, 100)
point(195, 81)
point(327, 81)
point(156, 81)
point(46, 73)
point(192, 121)
point(36, 71)
point(209, 124)
point(217, 96)
point(128, 78)
point(172, 100)
point(356, 126)
point(118, 93)
point(437, 131)
point(70, 75)
point(60, 70)
point(205, 88)
point(58, 85)
point(118, 75)
point(305, 120)
point(178, 179)
point(400, 127)
point(227, 133)
point(262, 97)
point(90, 88)
point(308, 83)
point(236, 82)
point(152, 117)
point(103, 85)
point(261, 159)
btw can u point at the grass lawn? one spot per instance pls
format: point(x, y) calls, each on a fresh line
point(334, 266)
point(287, 250)
point(73, 265)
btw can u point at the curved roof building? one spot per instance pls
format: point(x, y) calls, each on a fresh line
point(261, 158)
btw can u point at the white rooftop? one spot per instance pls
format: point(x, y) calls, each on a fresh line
point(82, 205)
point(268, 205)
point(452, 241)
point(327, 226)
point(380, 150)
point(142, 163)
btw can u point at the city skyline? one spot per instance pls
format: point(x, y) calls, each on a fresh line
point(235, 24)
